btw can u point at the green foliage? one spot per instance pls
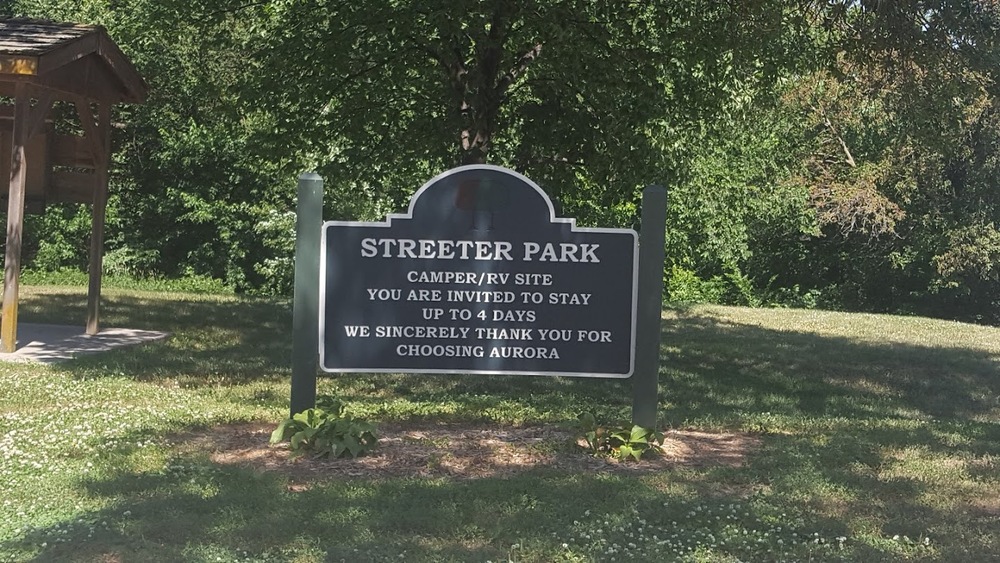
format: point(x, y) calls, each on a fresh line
point(325, 431)
point(58, 238)
point(74, 277)
point(798, 298)
point(125, 261)
point(624, 443)
point(731, 288)
point(277, 268)
point(684, 286)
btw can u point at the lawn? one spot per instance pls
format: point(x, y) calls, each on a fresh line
point(876, 439)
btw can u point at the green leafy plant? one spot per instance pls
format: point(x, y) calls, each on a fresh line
point(325, 431)
point(622, 443)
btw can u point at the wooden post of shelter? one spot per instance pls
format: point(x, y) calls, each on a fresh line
point(99, 142)
point(57, 62)
point(26, 121)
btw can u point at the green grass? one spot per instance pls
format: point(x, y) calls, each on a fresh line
point(880, 442)
point(76, 278)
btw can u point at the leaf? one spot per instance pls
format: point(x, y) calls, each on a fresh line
point(352, 445)
point(279, 433)
point(639, 434)
point(334, 407)
point(297, 440)
point(620, 437)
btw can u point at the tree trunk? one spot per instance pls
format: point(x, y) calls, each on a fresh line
point(480, 91)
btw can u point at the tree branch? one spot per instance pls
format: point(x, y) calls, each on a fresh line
point(836, 133)
point(522, 64)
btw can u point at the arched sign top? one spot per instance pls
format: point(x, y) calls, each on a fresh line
point(486, 197)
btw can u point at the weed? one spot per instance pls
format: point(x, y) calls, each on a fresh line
point(622, 443)
point(325, 431)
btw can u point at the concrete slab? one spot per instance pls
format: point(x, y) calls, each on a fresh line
point(49, 344)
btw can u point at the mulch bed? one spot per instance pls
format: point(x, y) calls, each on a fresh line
point(459, 451)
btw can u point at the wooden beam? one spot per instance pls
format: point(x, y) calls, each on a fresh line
point(15, 221)
point(56, 58)
point(134, 87)
point(99, 132)
point(88, 77)
point(27, 121)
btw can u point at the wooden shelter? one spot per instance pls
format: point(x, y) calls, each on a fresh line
point(43, 62)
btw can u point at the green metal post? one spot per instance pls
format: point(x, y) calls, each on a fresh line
point(305, 304)
point(652, 237)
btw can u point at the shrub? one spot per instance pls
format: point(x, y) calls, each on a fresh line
point(325, 431)
point(684, 286)
point(623, 443)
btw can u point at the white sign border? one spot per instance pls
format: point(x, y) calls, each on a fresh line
point(409, 215)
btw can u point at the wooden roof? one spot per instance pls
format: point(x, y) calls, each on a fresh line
point(71, 59)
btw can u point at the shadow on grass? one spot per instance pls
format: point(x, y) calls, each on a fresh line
point(232, 341)
point(196, 510)
point(891, 436)
point(211, 339)
point(712, 373)
point(724, 371)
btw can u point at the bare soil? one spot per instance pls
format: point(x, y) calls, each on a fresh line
point(464, 451)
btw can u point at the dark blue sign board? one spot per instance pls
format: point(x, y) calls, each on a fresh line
point(479, 276)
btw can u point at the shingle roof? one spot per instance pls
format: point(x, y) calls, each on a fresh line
point(37, 37)
point(40, 50)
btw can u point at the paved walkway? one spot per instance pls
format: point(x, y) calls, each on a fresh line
point(56, 343)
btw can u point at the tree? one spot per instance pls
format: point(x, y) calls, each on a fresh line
point(192, 177)
point(592, 98)
point(896, 128)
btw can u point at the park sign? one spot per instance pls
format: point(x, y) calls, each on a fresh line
point(479, 276)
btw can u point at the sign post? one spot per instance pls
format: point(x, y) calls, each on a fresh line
point(305, 304)
point(645, 382)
